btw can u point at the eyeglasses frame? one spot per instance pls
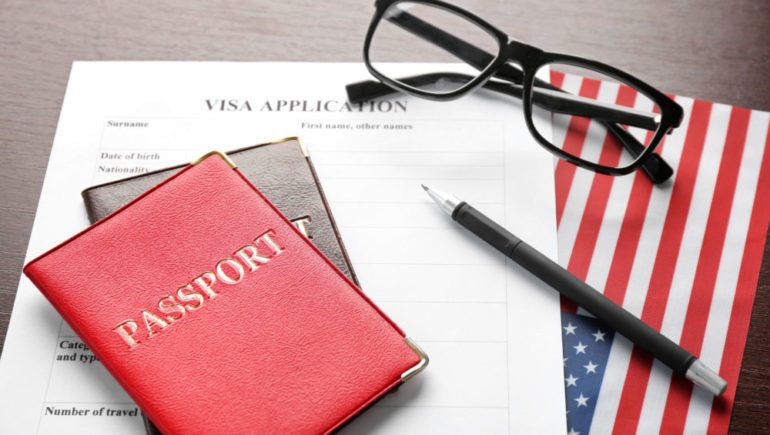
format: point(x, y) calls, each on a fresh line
point(530, 59)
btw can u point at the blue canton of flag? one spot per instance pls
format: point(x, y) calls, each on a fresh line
point(586, 344)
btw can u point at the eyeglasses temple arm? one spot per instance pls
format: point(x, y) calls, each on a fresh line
point(554, 101)
point(654, 166)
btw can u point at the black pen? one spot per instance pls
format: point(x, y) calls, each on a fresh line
point(613, 315)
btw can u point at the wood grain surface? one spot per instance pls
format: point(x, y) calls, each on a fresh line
point(717, 50)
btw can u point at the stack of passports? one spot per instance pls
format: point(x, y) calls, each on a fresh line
point(215, 312)
point(283, 172)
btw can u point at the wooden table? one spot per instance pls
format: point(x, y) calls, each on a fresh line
point(718, 51)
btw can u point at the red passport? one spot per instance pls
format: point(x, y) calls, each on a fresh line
point(217, 316)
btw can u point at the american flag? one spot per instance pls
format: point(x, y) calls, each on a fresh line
point(684, 256)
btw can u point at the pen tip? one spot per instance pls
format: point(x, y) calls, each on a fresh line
point(447, 202)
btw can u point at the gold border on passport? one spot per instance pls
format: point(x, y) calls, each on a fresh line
point(224, 157)
point(420, 366)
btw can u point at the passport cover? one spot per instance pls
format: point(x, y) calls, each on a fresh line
point(217, 315)
point(283, 172)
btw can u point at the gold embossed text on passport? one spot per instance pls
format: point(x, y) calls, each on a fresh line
point(192, 296)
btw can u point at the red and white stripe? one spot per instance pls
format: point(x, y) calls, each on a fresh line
point(684, 255)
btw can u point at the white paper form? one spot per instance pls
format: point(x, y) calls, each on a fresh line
point(489, 328)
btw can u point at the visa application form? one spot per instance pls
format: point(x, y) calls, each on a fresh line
point(489, 328)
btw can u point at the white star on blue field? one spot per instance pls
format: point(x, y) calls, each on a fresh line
point(586, 346)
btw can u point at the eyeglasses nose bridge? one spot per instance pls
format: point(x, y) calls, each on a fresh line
point(520, 52)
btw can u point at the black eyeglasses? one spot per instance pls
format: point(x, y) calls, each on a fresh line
point(420, 30)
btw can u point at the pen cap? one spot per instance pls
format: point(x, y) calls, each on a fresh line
point(702, 376)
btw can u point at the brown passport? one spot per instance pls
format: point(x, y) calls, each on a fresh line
point(282, 171)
